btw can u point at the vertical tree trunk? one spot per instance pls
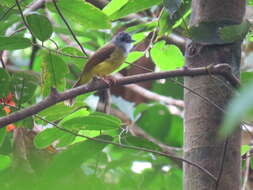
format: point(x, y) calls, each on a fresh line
point(202, 118)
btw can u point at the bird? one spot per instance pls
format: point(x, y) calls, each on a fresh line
point(105, 60)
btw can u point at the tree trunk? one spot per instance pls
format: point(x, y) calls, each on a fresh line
point(202, 117)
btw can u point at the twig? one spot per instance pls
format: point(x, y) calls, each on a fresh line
point(222, 164)
point(152, 95)
point(69, 28)
point(35, 49)
point(2, 60)
point(23, 18)
point(56, 97)
point(246, 174)
point(133, 148)
point(8, 10)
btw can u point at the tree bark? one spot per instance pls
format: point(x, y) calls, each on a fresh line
point(202, 118)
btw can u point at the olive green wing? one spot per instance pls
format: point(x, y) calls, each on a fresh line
point(99, 56)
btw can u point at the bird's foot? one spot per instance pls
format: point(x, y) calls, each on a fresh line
point(109, 80)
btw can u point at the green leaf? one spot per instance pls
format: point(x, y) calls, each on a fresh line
point(47, 137)
point(239, 108)
point(133, 6)
point(167, 57)
point(40, 25)
point(234, 32)
point(23, 86)
point(93, 122)
point(221, 32)
point(71, 60)
point(246, 77)
point(58, 111)
point(71, 159)
point(158, 127)
point(140, 142)
point(54, 71)
point(172, 6)
point(50, 135)
point(14, 42)
point(4, 82)
point(84, 13)
point(5, 162)
point(113, 6)
point(132, 57)
point(244, 149)
point(2, 135)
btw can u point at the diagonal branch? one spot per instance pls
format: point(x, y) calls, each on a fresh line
point(55, 97)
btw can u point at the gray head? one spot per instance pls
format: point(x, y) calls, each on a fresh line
point(124, 41)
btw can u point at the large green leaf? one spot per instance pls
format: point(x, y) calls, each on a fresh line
point(133, 6)
point(23, 86)
point(50, 135)
point(14, 42)
point(167, 57)
point(95, 121)
point(5, 162)
point(234, 32)
point(4, 82)
point(158, 127)
point(54, 71)
point(40, 25)
point(83, 13)
point(2, 134)
point(71, 159)
point(58, 111)
point(113, 6)
point(240, 107)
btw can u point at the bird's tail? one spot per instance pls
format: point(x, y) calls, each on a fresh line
point(82, 80)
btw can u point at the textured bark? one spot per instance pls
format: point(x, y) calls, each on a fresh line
point(203, 119)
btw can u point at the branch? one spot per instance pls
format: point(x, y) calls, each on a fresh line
point(167, 155)
point(69, 28)
point(55, 97)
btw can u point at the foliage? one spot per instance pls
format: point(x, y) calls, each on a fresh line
point(73, 146)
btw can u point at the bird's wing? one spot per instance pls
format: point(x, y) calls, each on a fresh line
point(101, 55)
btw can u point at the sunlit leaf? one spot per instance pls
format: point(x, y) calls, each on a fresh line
point(113, 6)
point(5, 162)
point(167, 57)
point(40, 26)
point(83, 13)
point(134, 6)
point(96, 121)
point(244, 149)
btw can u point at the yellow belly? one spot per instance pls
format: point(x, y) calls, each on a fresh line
point(107, 67)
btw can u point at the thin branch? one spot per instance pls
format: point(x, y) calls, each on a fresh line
point(69, 28)
point(6, 13)
point(55, 97)
point(246, 174)
point(23, 18)
point(222, 163)
point(133, 148)
point(2, 60)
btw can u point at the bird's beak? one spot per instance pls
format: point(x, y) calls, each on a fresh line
point(132, 40)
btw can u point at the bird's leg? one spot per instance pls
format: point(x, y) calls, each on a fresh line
point(109, 80)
